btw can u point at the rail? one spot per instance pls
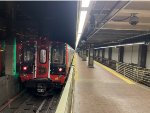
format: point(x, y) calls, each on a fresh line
point(132, 71)
point(65, 103)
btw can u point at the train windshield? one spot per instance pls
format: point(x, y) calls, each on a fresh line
point(43, 55)
point(58, 54)
point(28, 55)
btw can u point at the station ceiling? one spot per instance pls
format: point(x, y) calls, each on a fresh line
point(110, 21)
point(53, 19)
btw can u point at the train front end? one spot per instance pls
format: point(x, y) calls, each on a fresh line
point(58, 64)
point(35, 65)
point(44, 65)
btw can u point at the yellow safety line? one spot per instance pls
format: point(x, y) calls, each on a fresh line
point(75, 64)
point(116, 73)
point(76, 72)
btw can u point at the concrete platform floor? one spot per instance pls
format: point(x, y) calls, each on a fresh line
point(99, 91)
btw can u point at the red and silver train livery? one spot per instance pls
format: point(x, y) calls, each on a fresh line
point(44, 64)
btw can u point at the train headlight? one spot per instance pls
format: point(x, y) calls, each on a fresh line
point(25, 68)
point(60, 69)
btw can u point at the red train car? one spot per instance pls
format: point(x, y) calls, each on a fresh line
point(44, 64)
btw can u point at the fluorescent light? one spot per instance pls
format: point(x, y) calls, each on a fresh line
point(130, 44)
point(124, 45)
point(100, 47)
point(104, 47)
point(85, 3)
point(111, 46)
point(77, 39)
point(82, 17)
point(81, 21)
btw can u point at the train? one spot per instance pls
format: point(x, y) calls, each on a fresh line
point(44, 64)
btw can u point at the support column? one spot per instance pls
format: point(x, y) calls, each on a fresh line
point(10, 53)
point(121, 54)
point(91, 56)
point(142, 56)
point(80, 53)
point(84, 55)
point(103, 54)
point(12, 82)
point(94, 54)
point(109, 55)
point(98, 52)
point(87, 51)
point(10, 58)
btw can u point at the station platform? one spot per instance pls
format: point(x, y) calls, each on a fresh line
point(102, 90)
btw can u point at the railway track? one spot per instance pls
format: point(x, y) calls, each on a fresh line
point(33, 104)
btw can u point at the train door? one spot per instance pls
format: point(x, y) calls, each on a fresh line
point(58, 66)
point(27, 63)
point(43, 59)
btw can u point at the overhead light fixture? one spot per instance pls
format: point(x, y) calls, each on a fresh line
point(82, 18)
point(104, 47)
point(85, 3)
point(81, 21)
point(100, 47)
point(77, 40)
point(81, 25)
point(130, 44)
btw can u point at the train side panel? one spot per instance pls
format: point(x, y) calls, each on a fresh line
point(70, 55)
point(61, 71)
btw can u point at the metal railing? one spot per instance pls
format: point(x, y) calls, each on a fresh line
point(66, 100)
point(107, 62)
point(138, 74)
point(132, 71)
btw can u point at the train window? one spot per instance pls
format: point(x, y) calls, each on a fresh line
point(28, 56)
point(43, 56)
point(57, 55)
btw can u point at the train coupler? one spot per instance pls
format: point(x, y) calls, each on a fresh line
point(41, 88)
